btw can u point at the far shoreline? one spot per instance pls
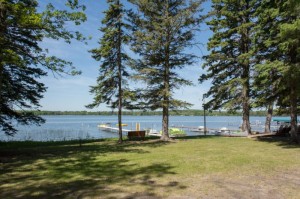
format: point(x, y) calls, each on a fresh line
point(191, 112)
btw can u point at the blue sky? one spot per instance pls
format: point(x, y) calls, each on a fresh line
point(72, 93)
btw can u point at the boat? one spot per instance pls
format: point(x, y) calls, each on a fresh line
point(201, 128)
point(223, 131)
point(104, 125)
point(283, 121)
point(283, 126)
point(153, 132)
point(175, 132)
point(122, 124)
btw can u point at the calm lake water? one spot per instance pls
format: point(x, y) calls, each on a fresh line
point(69, 127)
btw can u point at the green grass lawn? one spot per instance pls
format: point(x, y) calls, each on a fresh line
point(202, 167)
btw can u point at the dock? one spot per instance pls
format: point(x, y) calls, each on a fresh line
point(195, 129)
point(112, 129)
point(209, 131)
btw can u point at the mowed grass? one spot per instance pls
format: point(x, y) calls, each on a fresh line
point(201, 167)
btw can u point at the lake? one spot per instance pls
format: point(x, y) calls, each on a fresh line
point(70, 127)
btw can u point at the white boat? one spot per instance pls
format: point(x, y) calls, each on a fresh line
point(153, 132)
point(223, 131)
point(201, 128)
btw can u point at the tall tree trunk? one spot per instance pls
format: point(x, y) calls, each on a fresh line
point(245, 39)
point(269, 118)
point(293, 107)
point(119, 76)
point(2, 30)
point(165, 120)
point(246, 110)
point(165, 124)
point(1, 83)
point(294, 76)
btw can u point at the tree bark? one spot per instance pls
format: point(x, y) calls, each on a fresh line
point(165, 120)
point(119, 76)
point(1, 83)
point(165, 126)
point(246, 110)
point(269, 118)
point(293, 81)
point(245, 39)
point(271, 104)
point(2, 30)
point(293, 108)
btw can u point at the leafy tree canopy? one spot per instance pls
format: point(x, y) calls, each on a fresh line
point(23, 61)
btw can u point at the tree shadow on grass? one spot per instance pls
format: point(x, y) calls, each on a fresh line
point(57, 148)
point(68, 171)
point(282, 141)
point(196, 137)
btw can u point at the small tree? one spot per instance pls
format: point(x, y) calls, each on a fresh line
point(23, 61)
point(162, 31)
point(111, 86)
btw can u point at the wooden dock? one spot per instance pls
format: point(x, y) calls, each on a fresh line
point(112, 129)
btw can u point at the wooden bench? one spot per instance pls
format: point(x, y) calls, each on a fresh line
point(136, 135)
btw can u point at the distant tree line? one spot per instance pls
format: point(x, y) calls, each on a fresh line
point(191, 112)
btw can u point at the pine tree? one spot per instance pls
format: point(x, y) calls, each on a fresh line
point(230, 59)
point(162, 32)
point(267, 78)
point(289, 45)
point(278, 42)
point(111, 86)
point(23, 61)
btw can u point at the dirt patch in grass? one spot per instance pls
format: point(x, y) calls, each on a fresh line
point(281, 185)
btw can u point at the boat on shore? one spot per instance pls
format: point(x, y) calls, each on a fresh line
point(223, 131)
point(284, 127)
